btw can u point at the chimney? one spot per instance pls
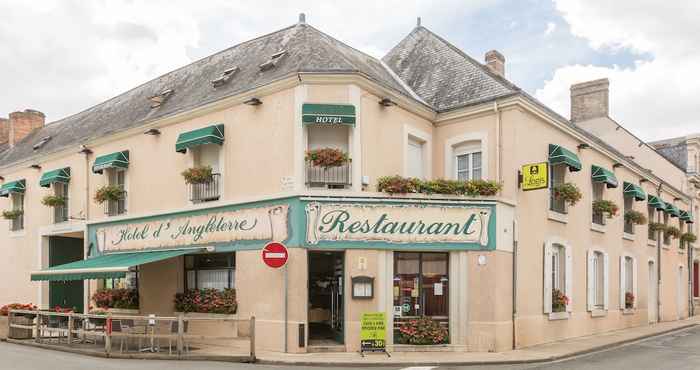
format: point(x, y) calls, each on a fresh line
point(496, 62)
point(4, 130)
point(23, 123)
point(590, 100)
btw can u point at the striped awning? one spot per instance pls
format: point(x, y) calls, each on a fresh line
point(61, 175)
point(207, 135)
point(113, 160)
point(655, 202)
point(17, 186)
point(687, 217)
point(632, 190)
point(672, 210)
point(600, 174)
point(558, 154)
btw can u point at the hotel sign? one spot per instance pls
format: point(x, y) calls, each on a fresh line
point(328, 114)
point(416, 224)
point(263, 223)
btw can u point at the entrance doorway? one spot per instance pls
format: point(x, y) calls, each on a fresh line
point(652, 300)
point(696, 279)
point(65, 294)
point(326, 298)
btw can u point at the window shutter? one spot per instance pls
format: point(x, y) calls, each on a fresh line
point(634, 282)
point(547, 291)
point(589, 279)
point(568, 278)
point(606, 280)
point(622, 282)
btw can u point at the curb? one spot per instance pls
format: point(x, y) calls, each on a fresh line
point(543, 359)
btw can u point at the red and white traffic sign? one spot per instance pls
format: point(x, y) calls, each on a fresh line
point(275, 254)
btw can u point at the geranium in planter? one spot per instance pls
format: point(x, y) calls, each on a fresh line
point(53, 201)
point(117, 298)
point(327, 157)
point(559, 301)
point(106, 193)
point(629, 300)
point(404, 185)
point(482, 188)
point(198, 175)
point(673, 232)
point(689, 238)
point(5, 310)
point(568, 192)
point(422, 331)
point(12, 215)
point(657, 226)
point(397, 185)
point(635, 217)
point(605, 207)
point(207, 301)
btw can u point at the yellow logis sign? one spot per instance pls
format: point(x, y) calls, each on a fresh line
point(535, 176)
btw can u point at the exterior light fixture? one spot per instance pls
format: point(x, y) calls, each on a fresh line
point(253, 101)
point(85, 150)
point(584, 146)
point(616, 165)
point(35, 166)
point(153, 131)
point(641, 181)
point(386, 102)
point(676, 199)
point(2, 178)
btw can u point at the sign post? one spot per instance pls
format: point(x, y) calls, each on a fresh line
point(373, 333)
point(535, 176)
point(275, 255)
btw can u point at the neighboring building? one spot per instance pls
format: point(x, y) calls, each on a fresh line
point(486, 268)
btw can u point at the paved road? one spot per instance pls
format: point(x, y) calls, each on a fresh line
point(679, 351)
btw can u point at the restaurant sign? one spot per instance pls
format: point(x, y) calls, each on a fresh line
point(262, 223)
point(410, 223)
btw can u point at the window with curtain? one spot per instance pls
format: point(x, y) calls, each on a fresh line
point(17, 205)
point(558, 268)
point(651, 211)
point(598, 190)
point(628, 206)
point(415, 158)
point(667, 238)
point(599, 280)
point(629, 277)
point(467, 161)
point(210, 271)
point(558, 177)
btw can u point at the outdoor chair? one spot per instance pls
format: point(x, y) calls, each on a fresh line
point(174, 328)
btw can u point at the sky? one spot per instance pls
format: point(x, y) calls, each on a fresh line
point(61, 57)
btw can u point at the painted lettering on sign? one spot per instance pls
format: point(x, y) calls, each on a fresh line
point(264, 223)
point(397, 223)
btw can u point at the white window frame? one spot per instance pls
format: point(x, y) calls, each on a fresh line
point(623, 280)
point(469, 153)
point(591, 279)
point(549, 247)
point(412, 133)
point(107, 172)
point(222, 165)
point(453, 143)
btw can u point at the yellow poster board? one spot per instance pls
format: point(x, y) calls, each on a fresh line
point(535, 176)
point(373, 332)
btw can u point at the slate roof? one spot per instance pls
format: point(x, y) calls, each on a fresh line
point(675, 150)
point(308, 50)
point(441, 74)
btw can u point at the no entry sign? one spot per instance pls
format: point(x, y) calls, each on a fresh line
point(275, 254)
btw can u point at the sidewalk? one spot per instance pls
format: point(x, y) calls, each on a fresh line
point(540, 353)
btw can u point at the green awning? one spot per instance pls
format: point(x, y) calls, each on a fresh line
point(107, 266)
point(687, 217)
point(207, 135)
point(600, 174)
point(328, 114)
point(114, 160)
point(632, 190)
point(61, 175)
point(672, 210)
point(558, 154)
point(17, 186)
point(655, 202)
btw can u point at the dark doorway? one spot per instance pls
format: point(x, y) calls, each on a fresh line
point(326, 319)
point(66, 294)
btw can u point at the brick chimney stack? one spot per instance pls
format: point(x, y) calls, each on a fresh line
point(23, 123)
point(496, 62)
point(590, 100)
point(4, 130)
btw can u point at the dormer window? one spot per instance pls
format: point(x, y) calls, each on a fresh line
point(225, 77)
point(273, 61)
point(41, 142)
point(159, 99)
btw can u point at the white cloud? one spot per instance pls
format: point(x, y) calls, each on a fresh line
point(655, 98)
point(551, 27)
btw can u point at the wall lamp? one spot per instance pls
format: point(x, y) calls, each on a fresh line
point(253, 101)
point(641, 181)
point(676, 199)
point(584, 146)
point(85, 150)
point(386, 102)
point(35, 166)
point(2, 178)
point(616, 165)
point(153, 132)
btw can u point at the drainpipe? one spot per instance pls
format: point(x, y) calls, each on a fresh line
point(658, 266)
point(515, 280)
point(499, 136)
point(691, 305)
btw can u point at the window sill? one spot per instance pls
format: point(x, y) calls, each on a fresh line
point(18, 233)
point(681, 251)
point(651, 243)
point(665, 246)
point(599, 313)
point(553, 316)
point(558, 217)
point(629, 311)
point(597, 228)
point(628, 236)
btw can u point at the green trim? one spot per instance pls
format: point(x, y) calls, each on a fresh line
point(328, 114)
point(213, 134)
point(558, 154)
point(61, 175)
point(600, 174)
point(17, 186)
point(113, 160)
point(672, 210)
point(103, 267)
point(655, 202)
point(632, 190)
point(687, 217)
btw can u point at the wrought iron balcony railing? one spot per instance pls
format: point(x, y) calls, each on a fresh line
point(206, 191)
point(331, 177)
point(116, 207)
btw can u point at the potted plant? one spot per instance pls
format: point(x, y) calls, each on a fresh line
point(605, 207)
point(635, 217)
point(568, 192)
point(397, 185)
point(12, 215)
point(422, 331)
point(117, 300)
point(483, 188)
point(53, 201)
point(110, 193)
point(198, 175)
point(629, 301)
point(657, 226)
point(327, 157)
point(559, 301)
point(207, 301)
point(19, 318)
point(688, 238)
point(673, 232)
point(404, 185)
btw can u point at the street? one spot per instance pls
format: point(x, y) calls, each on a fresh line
point(674, 351)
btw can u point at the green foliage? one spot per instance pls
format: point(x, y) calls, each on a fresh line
point(635, 217)
point(327, 157)
point(559, 300)
point(53, 201)
point(12, 215)
point(108, 193)
point(673, 232)
point(657, 226)
point(207, 301)
point(116, 298)
point(198, 175)
point(689, 238)
point(422, 331)
point(569, 192)
point(629, 300)
point(402, 185)
point(605, 207)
